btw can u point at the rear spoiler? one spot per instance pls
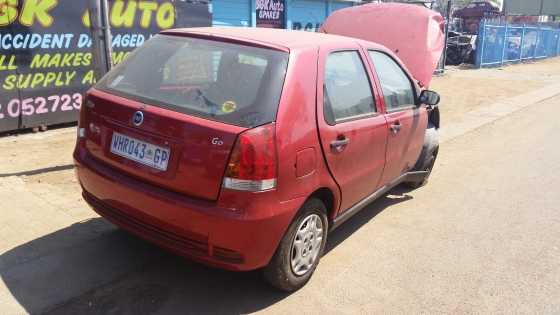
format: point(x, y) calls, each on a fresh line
point(414, 33)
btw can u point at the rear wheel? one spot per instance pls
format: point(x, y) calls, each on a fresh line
point(300, 250)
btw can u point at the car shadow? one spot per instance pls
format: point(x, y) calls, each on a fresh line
point(396, 195)
point(92, 268)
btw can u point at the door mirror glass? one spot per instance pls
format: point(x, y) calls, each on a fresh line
point(429, 98)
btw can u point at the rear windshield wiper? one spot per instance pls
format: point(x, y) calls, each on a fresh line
point(213, 106)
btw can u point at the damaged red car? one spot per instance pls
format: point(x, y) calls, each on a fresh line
point(242, 148)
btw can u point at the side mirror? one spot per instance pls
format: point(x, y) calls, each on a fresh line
point(429, 98)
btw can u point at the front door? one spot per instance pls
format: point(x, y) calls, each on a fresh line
point(406, 121)
point(353, 134)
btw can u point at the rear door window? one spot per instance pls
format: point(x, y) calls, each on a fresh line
point(230, 83)
point(347, 91)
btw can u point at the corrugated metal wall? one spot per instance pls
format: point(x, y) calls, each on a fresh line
point(339, 5)
point(300, 14)
point(308, 15)
point(232, 12)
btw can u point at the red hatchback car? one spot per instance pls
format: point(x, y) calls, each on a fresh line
point(242, 148)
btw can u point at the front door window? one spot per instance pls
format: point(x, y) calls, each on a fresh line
point(396, 86)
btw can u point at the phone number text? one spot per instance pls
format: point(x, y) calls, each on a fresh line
point(40, 105)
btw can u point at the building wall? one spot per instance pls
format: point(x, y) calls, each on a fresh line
point(232, 12)
point(305, 15)
point(46, 61)
point(533, 7)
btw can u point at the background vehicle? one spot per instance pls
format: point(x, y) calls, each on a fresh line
point(460, 48)
point(474, 12)
point(243, 148)
point(478, 9)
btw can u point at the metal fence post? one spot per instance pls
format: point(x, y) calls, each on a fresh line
point(480, 44)
point(537, 42)
point(558, 43)
point(549, 42)
point(505, 43)
point(448, 21)
point(100, 36)
point(522, 42)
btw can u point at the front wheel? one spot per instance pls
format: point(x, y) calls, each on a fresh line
point(427, 158)
point(427, 166)
point(301, 248)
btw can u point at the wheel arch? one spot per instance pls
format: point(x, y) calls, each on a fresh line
point(434, 118)
point(326, 196)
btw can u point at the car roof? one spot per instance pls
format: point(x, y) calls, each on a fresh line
point(274, 38)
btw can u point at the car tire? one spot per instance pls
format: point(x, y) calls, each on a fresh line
point(282, 272)
point(453, 57)
point(427, 158)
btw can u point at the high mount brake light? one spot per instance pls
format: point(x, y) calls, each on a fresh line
point(253, 162)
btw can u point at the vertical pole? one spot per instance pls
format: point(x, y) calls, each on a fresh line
point(287, 17)
point(448, 19)
point(505, 43)
point(107, 34)
point(328, 9)
point(537, 42)
point(546, 43)
point(253, 12)
point(522, 43)
point(94, 9)
point(558, 43)
point(100, 36)
point(480, 44)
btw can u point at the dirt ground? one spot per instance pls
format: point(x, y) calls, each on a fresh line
point(38, 189)
point(464, 90)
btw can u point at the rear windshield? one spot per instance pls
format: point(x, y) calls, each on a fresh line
point(230, 83)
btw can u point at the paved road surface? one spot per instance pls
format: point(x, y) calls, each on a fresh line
point(482, 237)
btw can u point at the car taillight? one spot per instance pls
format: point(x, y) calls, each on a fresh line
point(253, 162)
point(82, 118)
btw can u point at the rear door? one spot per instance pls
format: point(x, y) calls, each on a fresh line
point(353, 133)
point(405, 121)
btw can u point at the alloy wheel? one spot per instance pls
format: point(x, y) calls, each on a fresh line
point(306, 244)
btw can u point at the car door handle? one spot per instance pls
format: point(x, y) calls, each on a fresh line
point(395, 127)
point(340, 144)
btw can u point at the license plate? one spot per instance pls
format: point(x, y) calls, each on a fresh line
point(140, 151)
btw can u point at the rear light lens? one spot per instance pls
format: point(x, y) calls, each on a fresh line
point(82, 121)
point(88, 104)
point(253, 162)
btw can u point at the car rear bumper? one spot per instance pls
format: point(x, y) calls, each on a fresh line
point(222, 236)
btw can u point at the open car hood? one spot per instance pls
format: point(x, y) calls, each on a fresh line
point(413, 33)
